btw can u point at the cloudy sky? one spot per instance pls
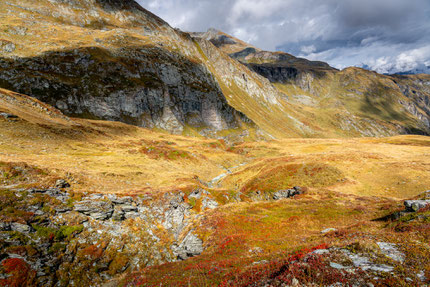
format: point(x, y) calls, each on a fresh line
point(384, 35)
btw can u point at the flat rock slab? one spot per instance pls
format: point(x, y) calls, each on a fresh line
point(390, 250)
point(365, 264)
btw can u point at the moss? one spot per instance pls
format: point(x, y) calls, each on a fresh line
point(67, 231)
point(64, 232)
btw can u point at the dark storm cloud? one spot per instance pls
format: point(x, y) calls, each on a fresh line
point(385, 35)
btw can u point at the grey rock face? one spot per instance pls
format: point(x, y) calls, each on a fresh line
point(149, 87)
point(196, 194)
point(416, 205)
point(327, 230)
point(118, 214)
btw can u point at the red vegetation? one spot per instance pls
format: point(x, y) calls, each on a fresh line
point(19, 271)
point(302, 266)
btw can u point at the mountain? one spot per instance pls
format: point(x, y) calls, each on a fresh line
point(114, 60)
point(326, 102)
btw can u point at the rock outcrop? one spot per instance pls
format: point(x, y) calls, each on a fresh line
point(99, 235)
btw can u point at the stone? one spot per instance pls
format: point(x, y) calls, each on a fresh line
point(58, 194)
point(416, 205)
point(63, 209)
point(321, 251)
point(365, 264)
point(208, 203)
point(189, 247)
point(122, 200)
point(287, 193)
point(328, 230)
point(280, 194)
point(132, 214)
point(35, 190)
point(256, 250)
point(390, 250)
point(99, 210)
point(8, 116)
point(176, 201)
point(337, 266)
point(260, 262)
point(298, 189)
point(23, 228)
point(129, 208)
point(61, 183)
point(118, 214)
point(5, 226)
point(421, 275)
point(9, 47)
point(197, 194)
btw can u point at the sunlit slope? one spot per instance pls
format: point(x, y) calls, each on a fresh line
point(107, 156)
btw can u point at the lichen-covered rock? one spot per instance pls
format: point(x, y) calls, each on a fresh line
point(416, 205)
point(19, 227)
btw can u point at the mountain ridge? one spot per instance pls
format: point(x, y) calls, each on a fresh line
point(115, 60)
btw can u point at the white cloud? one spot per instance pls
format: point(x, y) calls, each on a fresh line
point(383, 34)
point(308, 49)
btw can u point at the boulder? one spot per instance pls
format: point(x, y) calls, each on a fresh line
point(8, 116)
point(328, 230)
point(129, 208)
point(280, 194)
point(122, 200)
point(5, 226)
point(18, 227)
point(416, 205)
point(132, 214)
point(61, 183)
point(208, 203)
point(189, 247)
point(118, 214)
point(197, 193)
